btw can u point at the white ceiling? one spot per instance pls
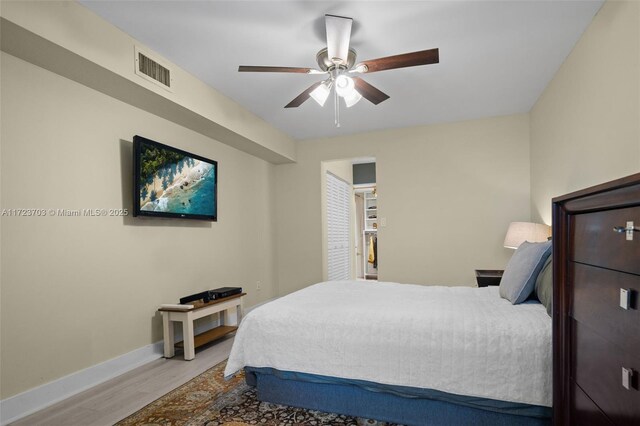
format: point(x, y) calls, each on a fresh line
point(496, 57)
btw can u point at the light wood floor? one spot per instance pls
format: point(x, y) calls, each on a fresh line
point(114, 400)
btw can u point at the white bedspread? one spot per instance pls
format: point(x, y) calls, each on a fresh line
point(461, 340)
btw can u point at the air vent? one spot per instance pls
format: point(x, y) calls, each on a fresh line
point(152, 70)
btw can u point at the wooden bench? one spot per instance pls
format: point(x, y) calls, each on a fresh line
point(231, 309)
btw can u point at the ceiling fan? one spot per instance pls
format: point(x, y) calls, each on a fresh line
point(338, 61)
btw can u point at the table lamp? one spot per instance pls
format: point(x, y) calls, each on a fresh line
point(520, 232)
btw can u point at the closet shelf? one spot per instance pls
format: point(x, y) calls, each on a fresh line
point(369, 233)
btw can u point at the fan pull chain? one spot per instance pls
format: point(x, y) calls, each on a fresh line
point(337, 108)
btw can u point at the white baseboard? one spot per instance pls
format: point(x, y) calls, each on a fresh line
point(28, 402)
point(38, 398)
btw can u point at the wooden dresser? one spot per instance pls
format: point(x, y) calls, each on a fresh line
point(596, 316)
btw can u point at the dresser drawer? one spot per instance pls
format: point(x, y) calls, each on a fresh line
point(596, 243)
point(597, 369)
point(596, 303)
point(584, 411)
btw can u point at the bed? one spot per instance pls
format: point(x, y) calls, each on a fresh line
point(401, 353)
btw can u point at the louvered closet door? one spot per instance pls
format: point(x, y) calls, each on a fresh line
point(338, 204)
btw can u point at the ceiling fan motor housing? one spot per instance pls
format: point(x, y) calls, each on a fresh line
point(326, 64)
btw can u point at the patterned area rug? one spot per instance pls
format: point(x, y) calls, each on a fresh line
point(210, 400)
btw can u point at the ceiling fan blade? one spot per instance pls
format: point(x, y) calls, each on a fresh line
point(299, 100)
point(338, 36)
point(251, 68)
point(369, 92)
point(423, 57)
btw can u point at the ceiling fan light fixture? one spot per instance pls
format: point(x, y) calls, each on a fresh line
point(352, 99)
point(321, 93)
point(345, 86)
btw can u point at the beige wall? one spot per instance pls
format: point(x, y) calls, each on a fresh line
point(80, 290)
point(585, 128)
point(69, 39)
point(448, 193)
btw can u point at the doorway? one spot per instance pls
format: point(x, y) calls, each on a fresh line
point(349, 219)
point(367, 232)
point(366, 235)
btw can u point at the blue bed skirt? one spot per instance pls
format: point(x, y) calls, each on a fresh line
point(396, 404)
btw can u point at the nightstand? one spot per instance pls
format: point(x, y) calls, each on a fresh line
point(487, 277)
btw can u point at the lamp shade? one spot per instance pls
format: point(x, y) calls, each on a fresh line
point(344, 85)
point(352, 99)
point(321, 93)
point(519, 232)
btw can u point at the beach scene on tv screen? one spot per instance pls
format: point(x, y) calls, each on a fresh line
point(171, 182)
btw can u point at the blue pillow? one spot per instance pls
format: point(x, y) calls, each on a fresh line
point(544, 285)
point(519, 278)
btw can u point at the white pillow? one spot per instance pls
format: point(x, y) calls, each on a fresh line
point(519, 278)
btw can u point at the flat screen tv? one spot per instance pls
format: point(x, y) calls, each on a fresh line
point(170, 182)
